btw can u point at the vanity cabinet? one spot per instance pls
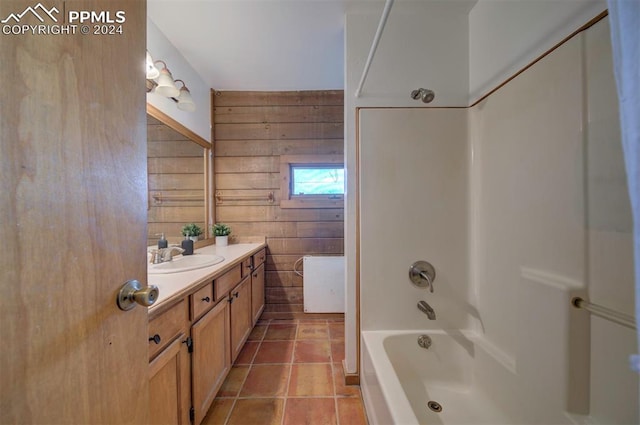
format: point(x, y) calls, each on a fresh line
point(257, 284)
point(169, 367)
point(241, 318)
point(210, 358)
point(169, 394)
point(194, 341)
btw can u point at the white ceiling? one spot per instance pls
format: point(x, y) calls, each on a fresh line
point(260, 44)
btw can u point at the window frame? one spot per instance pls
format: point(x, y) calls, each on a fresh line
point(289, 200)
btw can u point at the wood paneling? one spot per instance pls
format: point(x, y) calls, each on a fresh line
point(247, 181)
point(175, 168)
point(251, 131)
point(247, 165)
point(248, 148)
point(282, 98)
point(280, 131)
point(278, 114)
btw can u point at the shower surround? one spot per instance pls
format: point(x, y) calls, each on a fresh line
point(520, 203)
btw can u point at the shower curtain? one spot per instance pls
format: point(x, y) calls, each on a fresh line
point(624, 16)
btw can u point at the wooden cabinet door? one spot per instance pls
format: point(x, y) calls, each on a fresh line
point(257, 293)
point(210, 360)
point(169, 389)
point(73, 207)
point(241, 318)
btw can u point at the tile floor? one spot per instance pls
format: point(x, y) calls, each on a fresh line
point(289, 373)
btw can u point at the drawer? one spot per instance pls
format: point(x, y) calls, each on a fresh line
point(247, 267)
point(226, 282)
point(201, 302)
point(167, 326)
point(259, 257)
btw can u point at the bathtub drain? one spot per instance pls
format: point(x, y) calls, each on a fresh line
point(435, 406)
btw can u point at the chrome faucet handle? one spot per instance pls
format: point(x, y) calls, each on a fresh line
point(422, 274)
point(167, 253)
point(428, 279)
point(155, 257)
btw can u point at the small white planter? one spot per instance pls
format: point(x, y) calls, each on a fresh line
point(222, 240)
point(194, 238)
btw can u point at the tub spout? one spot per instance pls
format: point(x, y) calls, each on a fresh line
point(426, 309)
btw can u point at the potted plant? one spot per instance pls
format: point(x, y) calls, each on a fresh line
point(192, 230)
point(221, 232)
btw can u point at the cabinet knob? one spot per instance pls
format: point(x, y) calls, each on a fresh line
point(206, 299)
point(237, 294)
point(156, 338)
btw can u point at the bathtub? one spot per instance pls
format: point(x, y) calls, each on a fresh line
point(472, 381)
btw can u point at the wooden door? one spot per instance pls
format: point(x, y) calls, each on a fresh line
point(169, 385)
point(210, 359)
point(72, 219)
point(257, 293)
point(240, 316)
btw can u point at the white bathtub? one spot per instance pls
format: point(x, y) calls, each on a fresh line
point(472, 381)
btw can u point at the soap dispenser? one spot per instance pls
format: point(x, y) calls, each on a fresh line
point(162, 242)
point(187, 245)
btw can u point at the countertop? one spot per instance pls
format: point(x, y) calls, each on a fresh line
point(174, 286)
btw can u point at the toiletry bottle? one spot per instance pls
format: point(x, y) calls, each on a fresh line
point(162, 242)
point(187, 245)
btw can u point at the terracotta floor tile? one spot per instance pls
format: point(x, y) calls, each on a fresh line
point(337, 350)
point(266, 381)
point(284, 321)
point(312, 351)
point(274, 352)
point(257, 333)
point(336, 331)
point(218, 412)
point(313, 331)
point(343, 390)
point(232, 384)
point(309, 379)
point(247, 352)
point(316, 321)
point(280, 332)
point(262, 411)
point(310, 411)
point(351, 411)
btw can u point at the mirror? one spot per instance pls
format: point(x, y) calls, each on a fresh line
point(179, 179)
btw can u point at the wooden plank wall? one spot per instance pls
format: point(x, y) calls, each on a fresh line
point(251, 131)
point(175, 167)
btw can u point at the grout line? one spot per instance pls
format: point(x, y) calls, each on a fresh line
point(237, 396)
point(286, 391)
point(333, 378)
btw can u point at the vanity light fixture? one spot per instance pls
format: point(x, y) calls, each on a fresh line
point(161, 82)
point(185, 101)
point(152, 71)
point(166, 86)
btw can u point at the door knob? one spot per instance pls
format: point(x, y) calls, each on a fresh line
point(132, 292)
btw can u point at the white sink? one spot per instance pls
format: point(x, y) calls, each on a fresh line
point(185, 263)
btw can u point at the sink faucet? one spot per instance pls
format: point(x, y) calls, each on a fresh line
point(426, 309)
point(163, 255)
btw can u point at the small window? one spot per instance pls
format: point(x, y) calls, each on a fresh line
point(311, 181)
